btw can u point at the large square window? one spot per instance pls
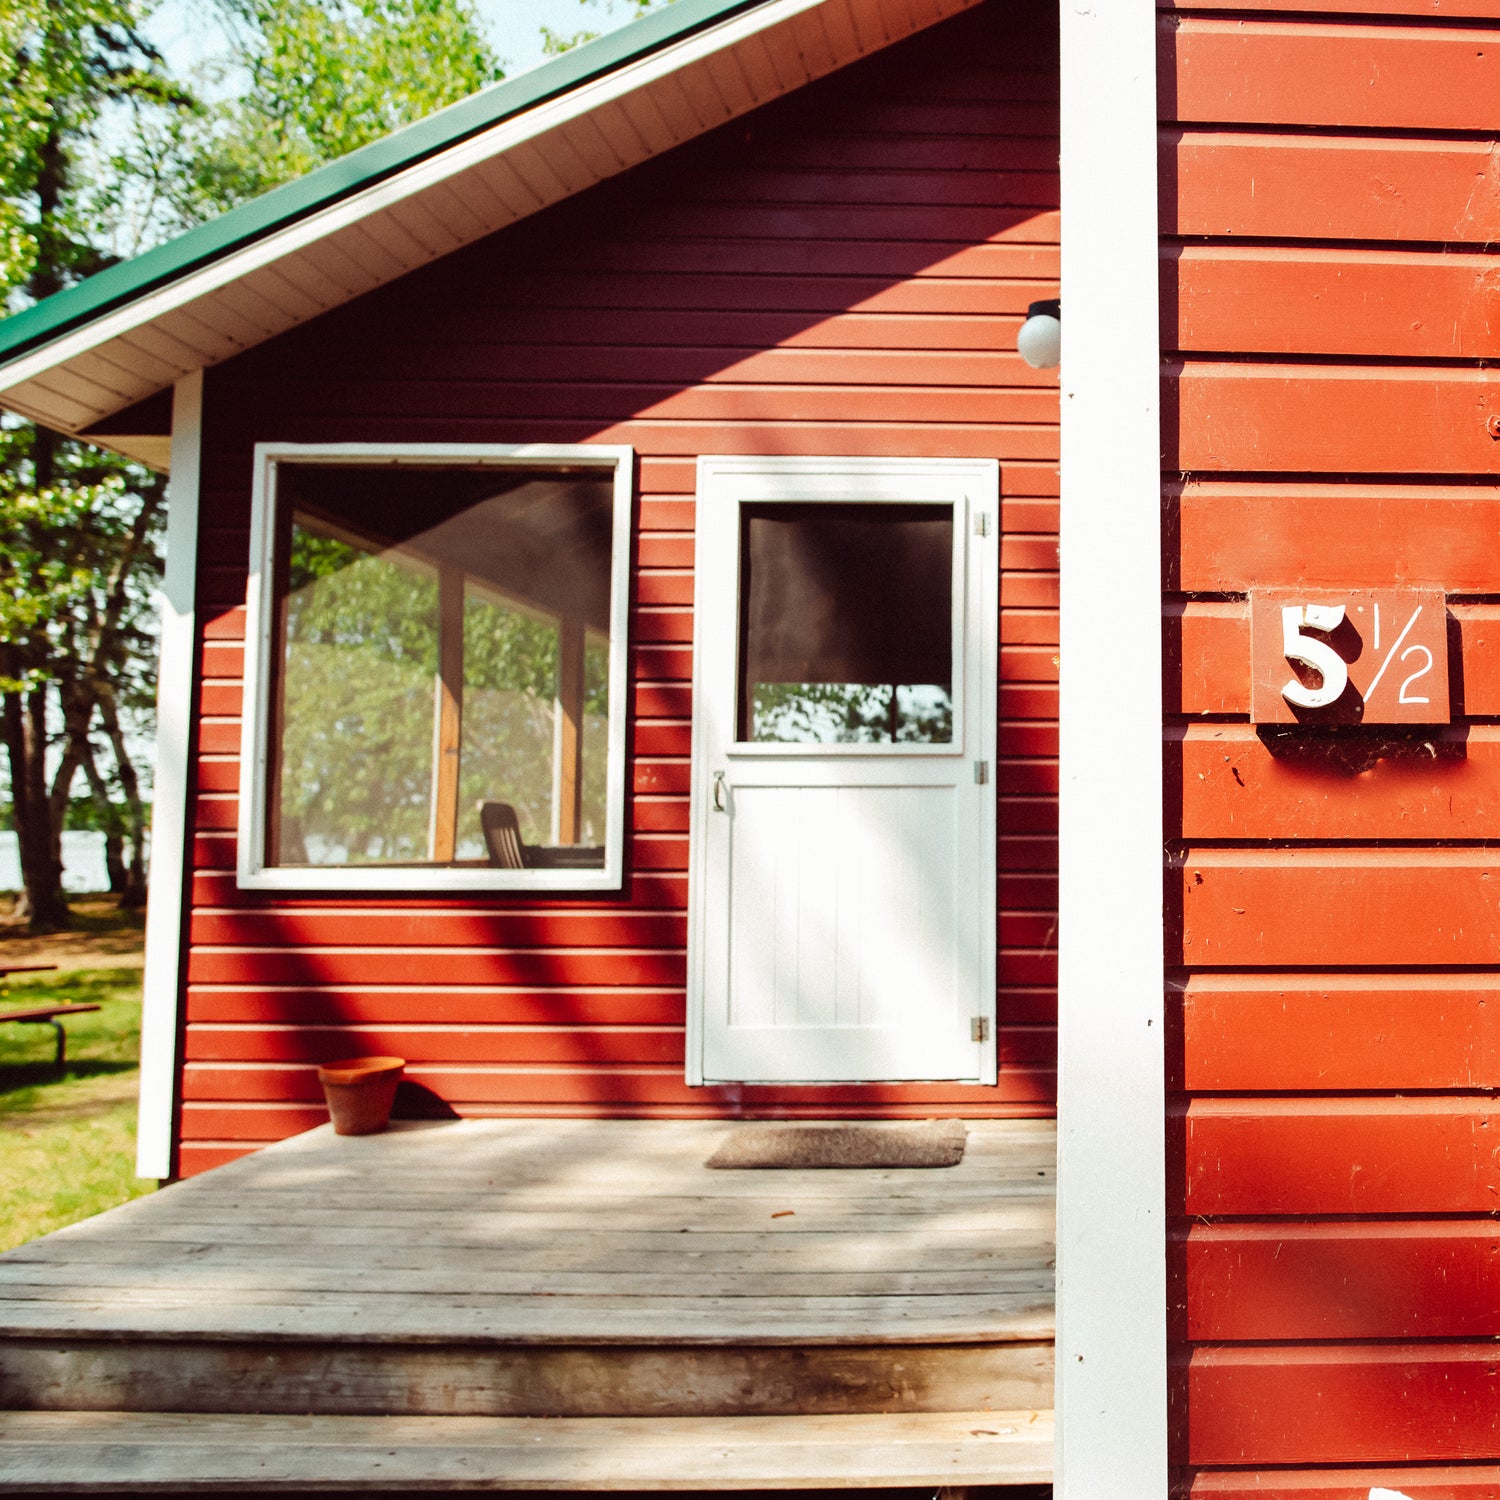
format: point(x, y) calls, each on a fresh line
point(435, 682)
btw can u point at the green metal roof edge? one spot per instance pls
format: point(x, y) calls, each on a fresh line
point(113, 288)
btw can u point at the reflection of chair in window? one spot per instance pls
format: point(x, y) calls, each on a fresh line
point(502, 835)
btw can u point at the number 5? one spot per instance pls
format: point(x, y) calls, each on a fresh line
point(1318, 655)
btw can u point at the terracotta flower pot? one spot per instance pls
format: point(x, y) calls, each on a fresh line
point(360, 1092)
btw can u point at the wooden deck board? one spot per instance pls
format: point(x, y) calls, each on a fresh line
point(381, 1378)
point(681, 1321)
point(66, 1452)
point(525, 1268)
point(563, 1231)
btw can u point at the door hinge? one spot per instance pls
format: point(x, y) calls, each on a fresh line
point(981, 523)
point(981, 772)
point(979, 1029)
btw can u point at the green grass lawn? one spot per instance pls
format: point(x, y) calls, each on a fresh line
point(68, 1140)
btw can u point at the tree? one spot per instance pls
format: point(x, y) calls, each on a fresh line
point(76, 525)
point(302, 83)
point(101, 152)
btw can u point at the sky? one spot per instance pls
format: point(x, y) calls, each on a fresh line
point(514, 27)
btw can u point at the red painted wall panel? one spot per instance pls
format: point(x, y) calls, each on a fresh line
point(842, 273)
point(1365, 189)
point(1429, 1482)
point(1309, 1155)
point(1256, 1030)
point(1392, 1279)
point(1382, 907)
point(1336, 1404)
point(1308, 72)
point(1234, 536)
point(1330, 194)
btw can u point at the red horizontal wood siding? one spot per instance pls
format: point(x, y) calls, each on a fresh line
point(1259, 1030)
point(1234, 536)
point(1310, 1155)
point(1331, 1279)
point(1311, 419)
point(1279, 299)
point(1343, 1404)
point(1375, 76)
point(1431, 1482)
point(1330, 193)
point(842, 273)
point(1234, 783)
point(1364, 189)
point(1384, 906)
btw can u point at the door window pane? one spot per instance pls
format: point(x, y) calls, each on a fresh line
point(846, 624)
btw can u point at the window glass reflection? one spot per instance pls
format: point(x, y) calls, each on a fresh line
point(442, 690)
point(846, 624)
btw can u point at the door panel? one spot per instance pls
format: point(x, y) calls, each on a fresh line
point(842, 885)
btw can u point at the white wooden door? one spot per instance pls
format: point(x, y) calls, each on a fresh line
point(842, 886)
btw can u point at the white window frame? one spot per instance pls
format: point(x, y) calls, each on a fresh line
point(253, 873)
point(732, 485)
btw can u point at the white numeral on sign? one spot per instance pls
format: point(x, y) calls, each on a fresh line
point(1420, 672)
point(1311, 652)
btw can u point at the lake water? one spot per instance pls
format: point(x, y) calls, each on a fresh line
point(83, 861)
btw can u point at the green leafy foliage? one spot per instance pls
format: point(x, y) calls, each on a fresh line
point(67, 61)
point(303, 83)
point(103, 153)
point(77, 527)
point(357, 685)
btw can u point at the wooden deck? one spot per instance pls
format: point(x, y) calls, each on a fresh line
point(506, 1271)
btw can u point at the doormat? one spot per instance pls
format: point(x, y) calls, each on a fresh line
point(917, 1143)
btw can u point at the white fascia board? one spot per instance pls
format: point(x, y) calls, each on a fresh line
point(171, 834)
point(496, 141)
point(1111, 1228)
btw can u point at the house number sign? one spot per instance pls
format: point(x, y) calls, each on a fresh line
point(1377, 656)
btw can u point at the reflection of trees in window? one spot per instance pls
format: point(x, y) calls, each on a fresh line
point(510, 683)
point(846, 623)
point(595, 738)
point(851, 713)
point(357, 741)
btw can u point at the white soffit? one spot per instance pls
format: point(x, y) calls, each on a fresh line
point(503, 174)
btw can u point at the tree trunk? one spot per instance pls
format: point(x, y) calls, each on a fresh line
point(25, 727)
point(107, 814)
point(133, 890)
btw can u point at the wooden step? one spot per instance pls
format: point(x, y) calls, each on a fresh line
point(125, 1453)
point(548, 1268)
point(370, 1376)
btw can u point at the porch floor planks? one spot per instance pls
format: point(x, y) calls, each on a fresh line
point(569, 1271)
point(62, 1453)
point(619, 1234)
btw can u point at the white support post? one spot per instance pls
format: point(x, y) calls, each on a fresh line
point(1111, 1230)
point(171, 847)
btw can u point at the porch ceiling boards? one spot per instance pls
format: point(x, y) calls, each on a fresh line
point(589, 1270)
point(493, 159)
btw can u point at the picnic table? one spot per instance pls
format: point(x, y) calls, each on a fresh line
point(42, 1015)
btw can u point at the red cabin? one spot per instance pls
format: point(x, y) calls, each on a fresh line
point(612, 640)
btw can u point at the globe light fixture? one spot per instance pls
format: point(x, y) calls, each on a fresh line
point(1039, 342)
